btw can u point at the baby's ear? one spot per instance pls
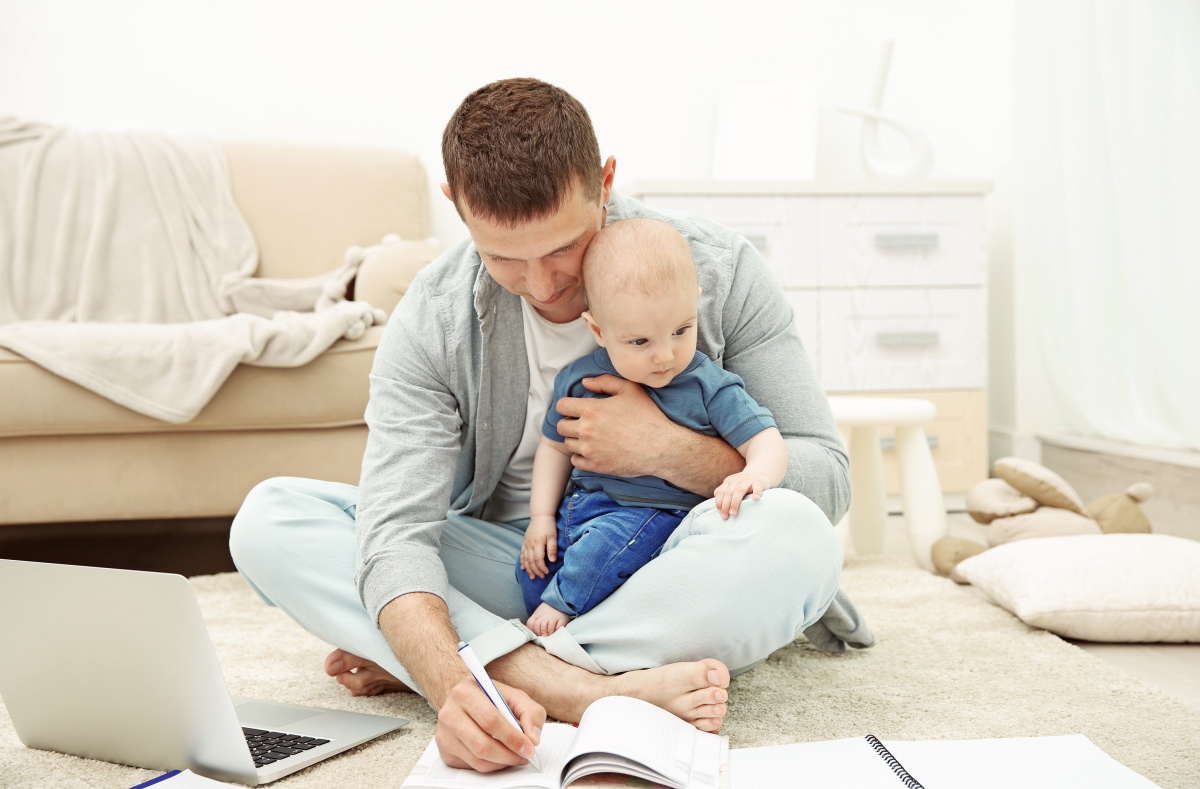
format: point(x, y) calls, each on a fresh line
point(595, 327)
point(699, 292)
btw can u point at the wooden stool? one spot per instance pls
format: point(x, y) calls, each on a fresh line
point(924, 509)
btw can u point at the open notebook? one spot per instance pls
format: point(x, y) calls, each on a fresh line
point(1064, 762)
point(616, 735)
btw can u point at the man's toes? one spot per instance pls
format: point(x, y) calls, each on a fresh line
point(707, 697)
point(708, 724)
point(715, 672)
point(710, 711)
point(335, 663)
point(340, 661)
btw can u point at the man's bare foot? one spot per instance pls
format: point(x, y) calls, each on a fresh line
point(360, 676)
point(546, 619)
point(695, 692)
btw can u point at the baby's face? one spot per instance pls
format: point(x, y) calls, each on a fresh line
point(650, 339)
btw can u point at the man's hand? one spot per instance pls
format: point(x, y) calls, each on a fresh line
point(729, 494)
point(621, 434)
point(471, 732)
point(541, 543)
point(626, 434)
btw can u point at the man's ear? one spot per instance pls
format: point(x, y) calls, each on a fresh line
point(609, 172)
point(446, 192)
point(595, 327)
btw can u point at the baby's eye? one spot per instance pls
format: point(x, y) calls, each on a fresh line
point(638, 343)
point(682, 331)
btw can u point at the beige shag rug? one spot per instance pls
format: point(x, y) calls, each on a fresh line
point(948, 665)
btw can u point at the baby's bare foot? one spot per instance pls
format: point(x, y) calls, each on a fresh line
point(546, 619)
point(695, 692)
point(360, 676)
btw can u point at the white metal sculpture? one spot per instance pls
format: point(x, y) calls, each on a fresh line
point(920, 154)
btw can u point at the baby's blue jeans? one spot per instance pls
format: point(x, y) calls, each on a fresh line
point(600, 544)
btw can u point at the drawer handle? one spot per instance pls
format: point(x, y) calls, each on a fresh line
point(759, 240)
point(906, 240)
point(906, 339)
point(888, 443)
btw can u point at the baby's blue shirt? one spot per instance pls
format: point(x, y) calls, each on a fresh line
point(703, 397)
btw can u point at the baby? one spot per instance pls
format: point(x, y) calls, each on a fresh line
point(642, 300)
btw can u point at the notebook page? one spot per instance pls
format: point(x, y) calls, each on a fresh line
point(1065, 762)
point(643, 733)
point(433, 773)
point(849, 763)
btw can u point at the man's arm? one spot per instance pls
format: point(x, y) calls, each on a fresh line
point(404, 495)
point(626, 434)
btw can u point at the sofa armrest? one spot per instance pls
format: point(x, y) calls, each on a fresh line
point(388, 269)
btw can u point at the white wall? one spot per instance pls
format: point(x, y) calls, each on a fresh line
point(390, 73)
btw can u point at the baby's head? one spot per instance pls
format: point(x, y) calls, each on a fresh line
point(642, 295)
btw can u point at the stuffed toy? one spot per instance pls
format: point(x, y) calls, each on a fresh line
point(1026, 500)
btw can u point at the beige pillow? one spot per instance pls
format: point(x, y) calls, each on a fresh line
point(1040, 483)
point(388, 269)
point(994, 498)
point(1046, 522)
point(1106, 587)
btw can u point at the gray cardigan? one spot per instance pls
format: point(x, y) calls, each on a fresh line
point(449, 386)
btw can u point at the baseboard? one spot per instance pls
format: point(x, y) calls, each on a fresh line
point(187, 546)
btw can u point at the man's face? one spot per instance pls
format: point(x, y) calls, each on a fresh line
point(542, 261)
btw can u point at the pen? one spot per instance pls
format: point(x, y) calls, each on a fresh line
point(489, 688)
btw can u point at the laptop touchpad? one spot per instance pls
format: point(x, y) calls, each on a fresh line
point(265, 714)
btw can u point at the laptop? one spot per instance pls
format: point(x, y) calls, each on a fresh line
point(117, 665)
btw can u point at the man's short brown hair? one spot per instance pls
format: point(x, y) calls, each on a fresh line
point(514, 148)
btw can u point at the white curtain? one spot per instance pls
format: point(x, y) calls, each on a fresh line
point(1107, 213)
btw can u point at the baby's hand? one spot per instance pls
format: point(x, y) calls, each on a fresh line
point(541, 541)
point(730, 493)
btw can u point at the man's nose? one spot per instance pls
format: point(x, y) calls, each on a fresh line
point(540, 281)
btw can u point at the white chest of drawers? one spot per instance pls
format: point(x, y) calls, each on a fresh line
point(888, 282)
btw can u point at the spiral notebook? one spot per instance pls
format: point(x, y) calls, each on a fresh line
point(1062, 762)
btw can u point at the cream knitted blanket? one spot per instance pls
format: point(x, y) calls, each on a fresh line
point(126, 267)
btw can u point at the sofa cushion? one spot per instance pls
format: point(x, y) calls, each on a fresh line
point(332, 390)
point(307, 203)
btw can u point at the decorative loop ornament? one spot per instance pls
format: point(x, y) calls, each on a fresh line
point(920, 154)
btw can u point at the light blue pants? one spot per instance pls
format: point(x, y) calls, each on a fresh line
point(735, 590)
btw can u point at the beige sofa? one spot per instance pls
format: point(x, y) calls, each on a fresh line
point(67, 454)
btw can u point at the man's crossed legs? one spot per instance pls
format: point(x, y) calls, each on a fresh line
point(721, 596)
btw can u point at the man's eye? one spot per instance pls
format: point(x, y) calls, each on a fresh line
point(564, 250)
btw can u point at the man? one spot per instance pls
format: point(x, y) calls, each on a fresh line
point(459, 387)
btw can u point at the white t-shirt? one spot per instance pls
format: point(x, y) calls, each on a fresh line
point(549, 348)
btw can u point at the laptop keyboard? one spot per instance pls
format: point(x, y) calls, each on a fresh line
point(268, 747)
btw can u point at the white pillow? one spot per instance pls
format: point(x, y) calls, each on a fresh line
point(1103, 587)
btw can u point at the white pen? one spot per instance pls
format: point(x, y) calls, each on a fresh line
point(488, 687)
